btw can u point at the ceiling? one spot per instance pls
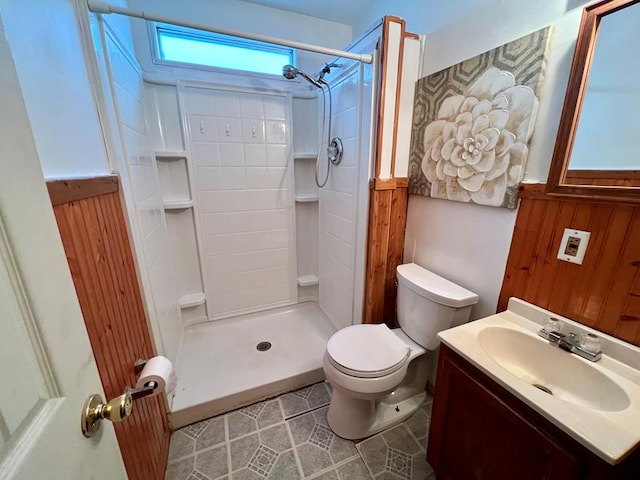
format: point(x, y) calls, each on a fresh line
point(341, 11)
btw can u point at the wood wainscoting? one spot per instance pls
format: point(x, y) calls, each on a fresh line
point(387, 222)
point(603, 292)
point(90, 217)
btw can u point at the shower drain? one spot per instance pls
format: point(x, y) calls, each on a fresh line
point(263, 346)
point(543, 388)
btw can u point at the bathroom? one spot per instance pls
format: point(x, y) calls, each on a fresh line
point(78, 135)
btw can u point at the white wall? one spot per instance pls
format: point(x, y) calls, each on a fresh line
point(246, 17)
point(410, 73)
point(421, 15)
point(469, 244)
point(46, 43)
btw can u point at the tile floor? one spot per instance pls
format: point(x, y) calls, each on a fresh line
point(287, 438)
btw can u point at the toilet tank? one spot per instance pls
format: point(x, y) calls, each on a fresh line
point(428, 304)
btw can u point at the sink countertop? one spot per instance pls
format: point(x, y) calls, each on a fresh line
point(609, 434)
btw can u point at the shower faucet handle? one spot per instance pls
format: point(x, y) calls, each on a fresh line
point(334, 151)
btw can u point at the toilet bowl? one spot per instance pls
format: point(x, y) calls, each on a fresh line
point(379, 375)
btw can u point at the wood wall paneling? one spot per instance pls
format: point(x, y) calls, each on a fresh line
point(387, 222)
point(96, 243)
point(397, 225)
point(377, 248)
point(65, 191)
point(612, 178)
point(387, 207)
point(603, 292)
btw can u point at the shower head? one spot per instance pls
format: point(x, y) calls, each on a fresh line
point(290, 72)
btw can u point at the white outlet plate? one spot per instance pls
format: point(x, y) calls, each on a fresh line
point(573, 245)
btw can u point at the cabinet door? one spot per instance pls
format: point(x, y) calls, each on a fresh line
point(476, 435)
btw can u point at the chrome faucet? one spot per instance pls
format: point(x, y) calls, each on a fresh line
point(587, 346)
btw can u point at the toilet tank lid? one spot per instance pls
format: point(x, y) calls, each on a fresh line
point(434, 287)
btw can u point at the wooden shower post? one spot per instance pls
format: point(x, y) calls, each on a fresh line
point(388, 194)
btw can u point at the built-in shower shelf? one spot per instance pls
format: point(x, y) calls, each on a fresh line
point(308, 280)
point(191, 300)
point(170, 155)
point(307, 197)
point(305, 156)
point(177, 204)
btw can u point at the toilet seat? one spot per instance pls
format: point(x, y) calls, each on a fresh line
point(367, 351)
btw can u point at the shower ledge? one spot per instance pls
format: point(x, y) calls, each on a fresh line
point(173, 154)
point(305, 156)
point(308, 280)
point(177, 204)
point(307, 197)
point(191, 300)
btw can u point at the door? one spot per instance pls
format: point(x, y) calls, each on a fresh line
point(47, 368)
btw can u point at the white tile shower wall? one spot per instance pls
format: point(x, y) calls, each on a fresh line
point(140, 173)
point(166, 131)
point(240, 149)
point(338, 208)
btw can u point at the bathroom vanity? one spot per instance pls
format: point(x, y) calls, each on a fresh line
point(489, 422)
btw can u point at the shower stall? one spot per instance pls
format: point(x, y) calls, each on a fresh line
point(249, 203)
point(281, 259)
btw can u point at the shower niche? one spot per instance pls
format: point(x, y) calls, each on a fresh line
point(307, 196)
point(179, 214)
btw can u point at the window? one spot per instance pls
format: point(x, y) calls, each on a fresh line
point(185, 45)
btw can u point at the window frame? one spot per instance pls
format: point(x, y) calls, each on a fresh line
point(154, 29)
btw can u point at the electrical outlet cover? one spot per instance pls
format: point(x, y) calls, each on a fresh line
point(573, 245)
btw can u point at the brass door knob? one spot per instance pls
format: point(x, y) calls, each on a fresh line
point(118, 408)
point(94, 411)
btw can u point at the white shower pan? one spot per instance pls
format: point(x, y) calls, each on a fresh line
point(222, 369)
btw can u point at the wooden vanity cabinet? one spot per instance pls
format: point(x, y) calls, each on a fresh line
point(481, 431)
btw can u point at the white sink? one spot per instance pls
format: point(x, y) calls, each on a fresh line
point(539, 364)
point(596, 403)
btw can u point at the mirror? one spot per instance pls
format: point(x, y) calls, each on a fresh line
point(596, 153)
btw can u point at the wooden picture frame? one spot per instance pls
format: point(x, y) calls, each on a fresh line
point(557, 182)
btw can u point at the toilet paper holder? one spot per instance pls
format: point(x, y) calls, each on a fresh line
point(148, 388)
point(117, 409)
point(139, 364)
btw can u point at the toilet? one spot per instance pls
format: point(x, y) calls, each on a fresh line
point(379, 375)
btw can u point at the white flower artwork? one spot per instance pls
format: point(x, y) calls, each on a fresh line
point(477, 146)
point(472, 123)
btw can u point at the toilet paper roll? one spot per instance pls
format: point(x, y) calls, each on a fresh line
point(160, 370)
